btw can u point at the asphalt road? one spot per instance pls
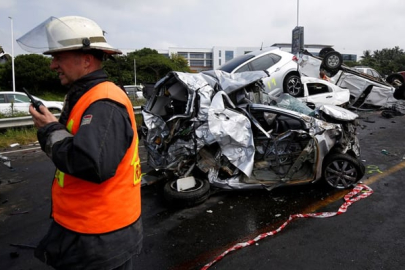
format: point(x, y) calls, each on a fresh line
point(370, 235)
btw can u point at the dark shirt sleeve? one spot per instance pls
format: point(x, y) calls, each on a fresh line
point(95, 151)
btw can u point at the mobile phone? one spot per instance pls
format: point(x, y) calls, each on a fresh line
point(35, 103)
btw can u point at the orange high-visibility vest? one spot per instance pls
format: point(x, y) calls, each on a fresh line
point(92, 208)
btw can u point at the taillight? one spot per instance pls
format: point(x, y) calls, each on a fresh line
point(295, 58)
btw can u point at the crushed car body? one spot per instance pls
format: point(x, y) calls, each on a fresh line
point(215, 129)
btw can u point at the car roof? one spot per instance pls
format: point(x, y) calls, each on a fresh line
point(237, 61)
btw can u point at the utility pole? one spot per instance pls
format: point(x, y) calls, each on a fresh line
point(135, 70)
point(12, 52)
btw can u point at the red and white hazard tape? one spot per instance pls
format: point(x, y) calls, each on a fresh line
point(359, 192)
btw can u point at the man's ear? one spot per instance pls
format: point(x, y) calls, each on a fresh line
point(88, 58)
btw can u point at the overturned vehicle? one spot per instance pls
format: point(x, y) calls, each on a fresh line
point(366, 92)
point(215, 129)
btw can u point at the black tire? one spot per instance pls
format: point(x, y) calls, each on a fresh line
point(391, 78)
point(292, 85)
point(332, 61)
point(190, 197)
point(324, 51)
point(342, 171)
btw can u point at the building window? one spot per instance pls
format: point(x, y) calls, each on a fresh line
point(219, 53)
point(219, 62)
point(196, 63)
point(208, 55)
point(196, 55)
point(208, 63)
point(184, 54)
point(228, 55)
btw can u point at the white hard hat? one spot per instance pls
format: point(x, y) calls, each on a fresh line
point(66, 34)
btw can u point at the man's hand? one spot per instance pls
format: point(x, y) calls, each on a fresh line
point(43, 118)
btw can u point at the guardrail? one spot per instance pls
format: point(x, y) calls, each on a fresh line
point(27, 120)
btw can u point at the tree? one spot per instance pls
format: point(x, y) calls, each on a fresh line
point(32, 72)
point(150, 66)
point(385, 61)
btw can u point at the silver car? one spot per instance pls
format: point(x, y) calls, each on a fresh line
point(223, 130)
point(281, 66)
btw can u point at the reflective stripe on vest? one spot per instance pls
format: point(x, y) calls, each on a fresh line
point(87, 207)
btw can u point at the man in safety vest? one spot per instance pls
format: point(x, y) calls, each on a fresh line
point(96, 203)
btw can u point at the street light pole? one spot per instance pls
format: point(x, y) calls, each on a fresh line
point(135, 70)
point(12, 52)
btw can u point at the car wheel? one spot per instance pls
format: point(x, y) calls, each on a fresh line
point(395, 79)
point(193, 196)
point(342, 170)
point(324, 51)
point(293, 86)
point(332, 60)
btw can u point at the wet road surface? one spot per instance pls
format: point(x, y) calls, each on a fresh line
point(369, 236)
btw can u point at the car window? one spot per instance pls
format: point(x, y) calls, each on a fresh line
point(2, 98)
point(234, 63)
point(275, 57)
point(375, 74)
point(317, 88)
point(243, 68)
point(18, 98)
point(262, 63)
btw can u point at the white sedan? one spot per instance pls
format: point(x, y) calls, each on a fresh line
point(318, 92)
point(14, 102)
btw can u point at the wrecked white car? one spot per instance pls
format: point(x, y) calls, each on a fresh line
point(366, 92)
point(319, 92)
point(215, 129)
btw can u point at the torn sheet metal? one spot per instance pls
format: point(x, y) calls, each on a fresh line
point(223, 126)
point(233, 133)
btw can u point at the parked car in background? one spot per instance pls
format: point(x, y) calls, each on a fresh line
point(370, 72)
point(13, 102)
point(134, 91)
point(281, 66)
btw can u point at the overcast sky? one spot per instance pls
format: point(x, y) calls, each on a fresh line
point(351, 26)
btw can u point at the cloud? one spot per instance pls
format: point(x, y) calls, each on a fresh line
point(351, 26)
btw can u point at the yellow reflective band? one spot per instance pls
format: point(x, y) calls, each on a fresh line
point(60, 177)
point(137, 164)
point(70, 125)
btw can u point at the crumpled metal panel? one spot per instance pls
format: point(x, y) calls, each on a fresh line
point(205, 94)
point(338, 112)
point(379, 96)
point(231, 82)
point(232, 131)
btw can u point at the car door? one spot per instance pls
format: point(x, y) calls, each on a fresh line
point(282, 144)
point(265, 62)
point(319, 93)
point(18, 102)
